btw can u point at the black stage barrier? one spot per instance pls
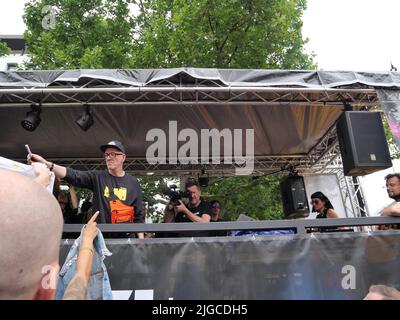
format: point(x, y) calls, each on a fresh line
point(335, 265)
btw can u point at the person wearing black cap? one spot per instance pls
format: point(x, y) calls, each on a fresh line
point(116, 194)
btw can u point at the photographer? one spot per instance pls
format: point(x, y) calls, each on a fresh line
point(197, 210)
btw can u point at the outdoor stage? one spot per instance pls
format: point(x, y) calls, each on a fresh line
point(293, 115)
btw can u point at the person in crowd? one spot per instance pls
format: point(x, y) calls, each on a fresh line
point(30, 233)
point(68, 202)
point(321, 204)
point(148, 219)
point(196, 210)
point(216, 217)
point(382, 292)
point(86, 210)
point(216, 211)
point(116, 194)
point(77, 287)
point(393, 190)
point(29, 265)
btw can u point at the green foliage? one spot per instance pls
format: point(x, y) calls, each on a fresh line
point(152, 196)
point(221, 34)
point(162, 33)
point(4, 49)
point(85, 34)
point(257, 197)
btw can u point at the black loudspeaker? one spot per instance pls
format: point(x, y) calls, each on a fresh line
point(294, 197)
point(363, 144)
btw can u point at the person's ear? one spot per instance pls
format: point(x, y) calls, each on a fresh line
point(48, 282)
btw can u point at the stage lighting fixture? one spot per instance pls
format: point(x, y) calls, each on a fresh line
point(32, 119)
point(86, 119)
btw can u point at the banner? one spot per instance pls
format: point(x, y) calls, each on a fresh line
point(319, 266)
point(390, 101)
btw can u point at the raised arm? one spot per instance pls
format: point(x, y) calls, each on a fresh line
point(74, 198)
point(77, 288)
point(59, 171)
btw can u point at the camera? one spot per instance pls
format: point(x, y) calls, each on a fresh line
point(174, 195)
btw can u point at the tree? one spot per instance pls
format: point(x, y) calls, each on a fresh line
point(221, 34)
point(4, 49)
point(153, 197)
point(71, 34)
point(163, 33)
point(175, 33)
point(257, 197)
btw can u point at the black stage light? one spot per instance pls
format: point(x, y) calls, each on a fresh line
point(32, 119)
point(86, 119)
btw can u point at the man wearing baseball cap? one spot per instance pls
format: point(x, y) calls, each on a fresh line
point(116, 194)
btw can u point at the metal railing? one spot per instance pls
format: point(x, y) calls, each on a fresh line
point(299, 226)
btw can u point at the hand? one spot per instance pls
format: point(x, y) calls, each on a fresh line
point(43, 174)
point(181, 207)
point(90, 232)
point(35, 158)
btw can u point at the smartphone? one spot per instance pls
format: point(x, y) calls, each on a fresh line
point(29, 150)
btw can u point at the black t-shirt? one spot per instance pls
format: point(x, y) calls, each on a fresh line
point(126, 189)
point(203, 208)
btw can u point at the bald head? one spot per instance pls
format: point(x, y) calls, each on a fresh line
point(30, 233)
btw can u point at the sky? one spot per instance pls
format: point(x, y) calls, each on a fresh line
point(353, 34)
point(358, 35)
point(344, 34)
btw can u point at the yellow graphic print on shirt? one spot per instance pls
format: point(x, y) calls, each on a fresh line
point(120, 193)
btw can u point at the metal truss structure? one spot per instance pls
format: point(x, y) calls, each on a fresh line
point(185, 90)
point(172, 91)
point(182, 89)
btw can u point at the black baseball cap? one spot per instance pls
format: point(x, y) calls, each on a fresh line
point(113, 144)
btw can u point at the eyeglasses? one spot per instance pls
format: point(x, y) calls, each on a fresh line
point(112, 154)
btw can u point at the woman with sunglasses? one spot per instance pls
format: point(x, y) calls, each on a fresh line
point(321, 204)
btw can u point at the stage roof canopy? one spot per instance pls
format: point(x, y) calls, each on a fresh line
point(293, 113)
